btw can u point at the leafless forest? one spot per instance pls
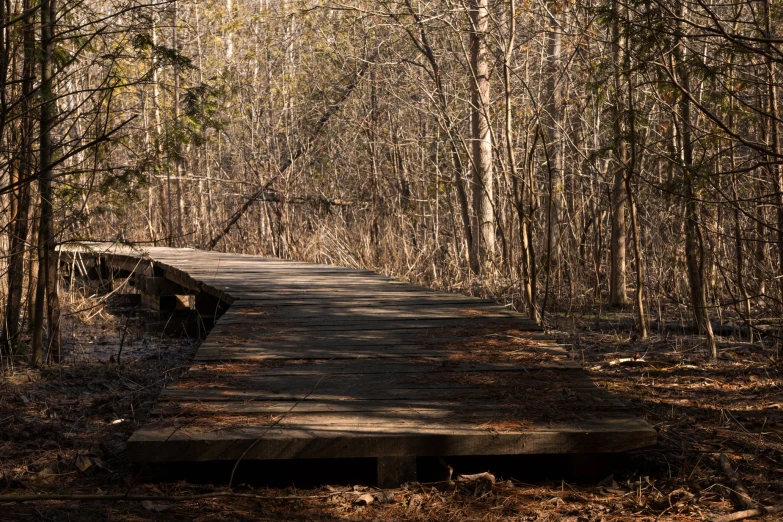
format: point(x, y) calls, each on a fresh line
point(575, 160)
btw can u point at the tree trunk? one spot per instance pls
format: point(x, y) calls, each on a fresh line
point(484, 220)
point(630, 171)
point(20, 226)
point(637, 253)
point(178, 144)
point(47, 242)
point(618, 295)
point(694, 242)
point(617, 275)
point(519, 189)
point(553, 116)
point(776, 172)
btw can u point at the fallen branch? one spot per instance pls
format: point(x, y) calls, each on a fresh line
point(4, 499)
point(738, 491)
point(750, 513)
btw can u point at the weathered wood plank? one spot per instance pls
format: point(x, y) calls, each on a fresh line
point(452, 407)
point(228, 355)
point(403, 325)
point(577, 396)
point(401, 365)
point(611, 435)
point(403, 301)
point(354, 314)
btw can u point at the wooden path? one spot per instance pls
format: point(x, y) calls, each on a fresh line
point(314, 361)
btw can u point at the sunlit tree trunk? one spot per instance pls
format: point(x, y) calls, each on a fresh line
point(617, 275)
point(484, 219)
point(553, 121)
point(178, 160)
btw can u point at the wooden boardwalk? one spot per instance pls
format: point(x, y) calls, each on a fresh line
point(314, 361)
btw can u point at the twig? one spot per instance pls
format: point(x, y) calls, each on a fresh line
point(749, 513)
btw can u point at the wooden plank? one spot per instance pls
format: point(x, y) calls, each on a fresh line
point(577, 395)
point(223, 335)
point(261, 411)
point(381, 381)
point(382, 345)
point(428, 421)
point(611, 435)
point(417, 301)
point(409, 325)
point(305, 302)
point(356, 314)
point(323, 393)
point(259, 354)
point(390, 407)
point(329, 284)
point(400, 365)
point(270, 273)
point(230, 355)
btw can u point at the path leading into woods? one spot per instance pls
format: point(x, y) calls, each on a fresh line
point(316, 361)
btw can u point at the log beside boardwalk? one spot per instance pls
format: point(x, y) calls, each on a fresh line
point(315, 361)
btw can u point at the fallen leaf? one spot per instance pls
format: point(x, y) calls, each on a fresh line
point(83, 463)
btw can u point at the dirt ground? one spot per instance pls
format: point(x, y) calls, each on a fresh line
point(63, 431)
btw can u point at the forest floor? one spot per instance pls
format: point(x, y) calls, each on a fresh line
point(63, 431)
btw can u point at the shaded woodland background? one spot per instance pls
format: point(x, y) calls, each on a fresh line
point(558, 156)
